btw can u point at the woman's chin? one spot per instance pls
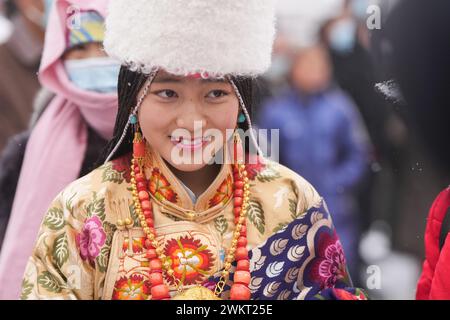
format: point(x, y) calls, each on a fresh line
point(189, 167)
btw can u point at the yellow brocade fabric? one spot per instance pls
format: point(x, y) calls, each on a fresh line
point(83, 253)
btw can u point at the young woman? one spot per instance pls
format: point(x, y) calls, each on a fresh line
point(178, 209)
point(68, 138)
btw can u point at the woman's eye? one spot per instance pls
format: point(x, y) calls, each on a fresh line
point(217, 94)
point(167, 94)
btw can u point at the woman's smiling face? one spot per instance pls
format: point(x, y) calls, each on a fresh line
point(188, 117)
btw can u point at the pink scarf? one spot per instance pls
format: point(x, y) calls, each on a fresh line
point(56, 147)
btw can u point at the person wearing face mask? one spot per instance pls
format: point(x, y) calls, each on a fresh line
point(323, 138)
point(355, 72)
point(20, 95)
point(19, 60)
point(68, 136)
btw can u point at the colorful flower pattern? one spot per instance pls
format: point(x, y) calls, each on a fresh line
point(137, 245)
point(254, 166)
point(122, 165)
point(329, 266)
point(223, 193)
point(160, 187)
point(276, 265)
point(191, 260)
point(134, 287)
point(91, 239)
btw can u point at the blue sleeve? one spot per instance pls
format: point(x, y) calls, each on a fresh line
point(354, 146)
point(269, 117)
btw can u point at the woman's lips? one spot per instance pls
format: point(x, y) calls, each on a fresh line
point(190, 144)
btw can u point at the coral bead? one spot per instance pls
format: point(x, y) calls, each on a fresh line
point(151, 254)
point(242, 241)
point(140, 177)
point(156, 278)
point(139, 149)
point(150, 222)
point(148, 213)
point(160, 292)
point(239, 184)
point(237, 201)
point(155, 264)
point(243, 265)
point(241, 253)
point(239, 292)
point(238, 193)
point(237, 211)
point(143, 195)
point(141, 186)
point(242, 277)
point(243, 231)
point(146, 205)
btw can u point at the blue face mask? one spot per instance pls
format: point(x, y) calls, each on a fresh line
point(343, 36)
point(47, 7)
point(94, 74)
point(359, 8)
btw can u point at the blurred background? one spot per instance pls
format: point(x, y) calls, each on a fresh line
point(335, 91)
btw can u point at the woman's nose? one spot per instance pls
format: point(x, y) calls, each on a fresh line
point(191, 119)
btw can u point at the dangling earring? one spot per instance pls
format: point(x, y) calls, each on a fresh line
point(138, 142)
point(133, 118)
point(241, 118)
point(247, 118)
point(238, 151)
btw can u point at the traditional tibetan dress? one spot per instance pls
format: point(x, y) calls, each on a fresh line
point(91, 244)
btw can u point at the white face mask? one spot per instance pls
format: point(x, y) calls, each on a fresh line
point(343, 36)
point(98, 74)
point(359, 8)
point(280, 67)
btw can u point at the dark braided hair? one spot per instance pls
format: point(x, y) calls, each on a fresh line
point(131, 82)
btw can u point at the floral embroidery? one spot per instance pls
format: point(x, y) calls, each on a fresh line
point(122, 165)
point(342, 294)
point(329, 266)
point(256, 215)
point(190, 260)
point(160, 187)
point(221, 224)
point(223, 193)
point(254, 166)
point(91, 238)
point(118, 170)
point(137, 246)
point(132, 288)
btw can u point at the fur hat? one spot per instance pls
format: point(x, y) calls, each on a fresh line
point(210, 37)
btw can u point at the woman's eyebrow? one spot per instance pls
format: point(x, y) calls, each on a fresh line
point(167, 79)
point(214, 80)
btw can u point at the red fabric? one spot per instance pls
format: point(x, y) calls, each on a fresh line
point(434, 283)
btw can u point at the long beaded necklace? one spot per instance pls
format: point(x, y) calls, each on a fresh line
point(158, 261)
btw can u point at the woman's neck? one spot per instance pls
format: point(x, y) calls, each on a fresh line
point(197, 181)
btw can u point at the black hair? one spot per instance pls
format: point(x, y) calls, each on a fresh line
point(10, 8)
point(423, 76)
point(129, 85)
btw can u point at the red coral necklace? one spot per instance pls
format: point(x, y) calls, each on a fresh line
point(158, 261)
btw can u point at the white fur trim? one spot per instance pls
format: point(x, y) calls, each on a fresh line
point(216, 37)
